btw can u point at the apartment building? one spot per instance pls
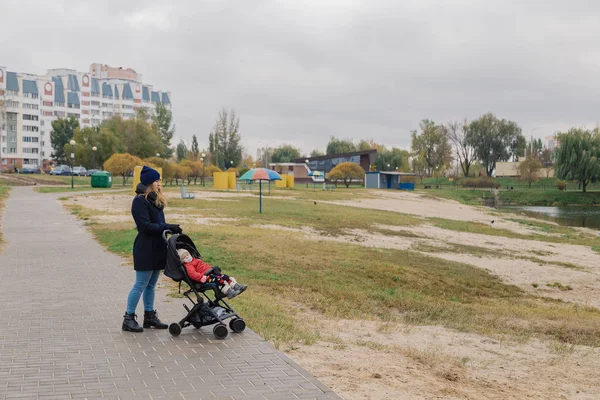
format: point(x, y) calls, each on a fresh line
point(29, 103)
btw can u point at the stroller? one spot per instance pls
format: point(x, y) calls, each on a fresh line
point(205, 310)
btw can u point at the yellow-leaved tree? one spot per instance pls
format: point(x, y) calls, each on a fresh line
point(123, 165)
point(346, 172)
point(167, 168)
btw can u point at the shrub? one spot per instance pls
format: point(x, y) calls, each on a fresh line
point(561, 185)
point(481, 182)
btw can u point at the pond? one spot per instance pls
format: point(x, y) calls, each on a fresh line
point(587, 217)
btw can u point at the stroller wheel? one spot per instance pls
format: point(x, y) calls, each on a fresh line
point(237, 325)
point(175, 329)
point(220, 331)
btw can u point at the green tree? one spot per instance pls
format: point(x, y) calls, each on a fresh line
point(338, 146)
point(63, 130)
point(285, 154)
point(105, 141)
point(493, 140)
point(397, 158)
point(577, 156)
point(529, 170)
point(224, 140)
point(317, 153)
point(162, 124)
point(195, 150)
point(517, 147)
point(135, 136)
point(181, 151)
point(346, 172)
point(432, 147)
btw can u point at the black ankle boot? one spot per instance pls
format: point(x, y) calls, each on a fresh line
point(130, 324)
point(151, 319)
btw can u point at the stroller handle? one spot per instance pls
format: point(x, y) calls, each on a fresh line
point(164, 234)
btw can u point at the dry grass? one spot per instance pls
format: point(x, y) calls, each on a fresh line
point(342, 280)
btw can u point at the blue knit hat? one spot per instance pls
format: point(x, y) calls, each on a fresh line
point(149, 175)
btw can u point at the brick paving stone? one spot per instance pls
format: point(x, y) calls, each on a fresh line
point(62, 300)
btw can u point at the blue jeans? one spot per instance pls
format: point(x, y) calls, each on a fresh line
point(145, 282)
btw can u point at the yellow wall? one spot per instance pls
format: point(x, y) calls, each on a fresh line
point(231, 180)
point(136, 175)
point(283, 182)
point(220, 180)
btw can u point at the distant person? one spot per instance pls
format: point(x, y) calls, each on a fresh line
point(149, 250)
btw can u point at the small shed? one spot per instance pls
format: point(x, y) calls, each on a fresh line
point(388, 180)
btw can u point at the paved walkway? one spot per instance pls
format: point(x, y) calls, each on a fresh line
point(62, 298)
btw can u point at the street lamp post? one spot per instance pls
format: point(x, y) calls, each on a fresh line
point(306, 161)
point(202, 158)
point(72, 143)
point(94, 149)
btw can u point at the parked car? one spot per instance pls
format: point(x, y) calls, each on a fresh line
point(91, 171)
point(30, 169)
point(61, 170)
point(79, 171)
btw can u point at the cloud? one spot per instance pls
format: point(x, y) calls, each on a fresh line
point(298, 72)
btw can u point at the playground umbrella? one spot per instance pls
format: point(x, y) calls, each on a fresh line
point(260, 174)
point(315, 173)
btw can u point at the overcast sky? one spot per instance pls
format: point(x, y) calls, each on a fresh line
point(299, 72)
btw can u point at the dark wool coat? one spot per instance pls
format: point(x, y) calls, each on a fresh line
point(149, 248)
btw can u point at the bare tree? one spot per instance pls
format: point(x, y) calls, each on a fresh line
point(457, 133)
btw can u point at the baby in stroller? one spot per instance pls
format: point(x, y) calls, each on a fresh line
point(202, 272)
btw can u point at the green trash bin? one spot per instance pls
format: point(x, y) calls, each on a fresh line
point(102, 179)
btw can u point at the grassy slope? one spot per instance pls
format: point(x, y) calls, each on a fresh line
point(285, 270)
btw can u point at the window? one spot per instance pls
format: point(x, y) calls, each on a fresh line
point(30, 106)
point(43, 154)
point(4, 139)
point(29, 128)
point(85, 103)
point(95, 103)
point(73, 115)
point(48, 103)
point(13, 104)
point(31, 150)
point(95, 112)
point(28, 117)
point(30, 139)
point(42, 123)
point(105, 104)
point(59, 104)
point(43, 144)
point(12, 127)
point(13, 139)
point(48, 113)
point(84, 94)
point(30, 95)
point(73, 105)
point(12, 93)
point(59, 113)
point(107, 97)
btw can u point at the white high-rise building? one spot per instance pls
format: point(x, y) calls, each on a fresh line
point(29, 103)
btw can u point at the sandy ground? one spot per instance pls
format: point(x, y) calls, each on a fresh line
point(369, 360)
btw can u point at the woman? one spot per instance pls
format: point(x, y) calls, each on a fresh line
point(149, 250)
